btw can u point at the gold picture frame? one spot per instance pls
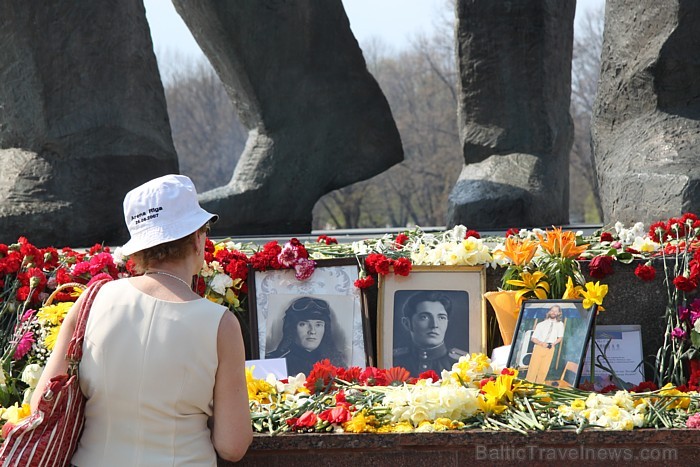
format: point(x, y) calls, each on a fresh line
point(462, 289)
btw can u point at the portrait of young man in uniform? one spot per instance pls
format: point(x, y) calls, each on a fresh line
point(426, 316)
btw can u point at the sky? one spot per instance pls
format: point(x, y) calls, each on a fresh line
point(391, 21)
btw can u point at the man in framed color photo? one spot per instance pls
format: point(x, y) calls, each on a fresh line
point(546, 336)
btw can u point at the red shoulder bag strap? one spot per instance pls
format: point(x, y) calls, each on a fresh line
point(75, 347)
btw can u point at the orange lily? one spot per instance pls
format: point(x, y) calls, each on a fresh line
point(519, 252)
point(560, 243)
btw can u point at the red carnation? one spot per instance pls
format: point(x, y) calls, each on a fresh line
point(600, 266)
point(377, 263)
point(472, 233)
point(609, 388)
point(512, 231)
point(606, 237)
point(685, 284)
point(645, 272)
point(401, 239)
point(657, 231)
point(365, 282)
point(644, 386)
point(200, 286)
point(402, 266)
point(326, 239)
point(429, 374)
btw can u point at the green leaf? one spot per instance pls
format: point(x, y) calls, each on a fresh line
point(625, 257)
point(695, 338)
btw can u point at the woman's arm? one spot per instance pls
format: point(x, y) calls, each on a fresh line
point(232, 432)
point(57, 363)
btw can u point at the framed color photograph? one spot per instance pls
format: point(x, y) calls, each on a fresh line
point(430, 318)
point(311, 320)
point(551, 341)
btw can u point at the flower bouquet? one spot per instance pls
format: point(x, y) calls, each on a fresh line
point(470, 395)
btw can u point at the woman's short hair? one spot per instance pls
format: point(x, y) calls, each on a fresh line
point(169, 251)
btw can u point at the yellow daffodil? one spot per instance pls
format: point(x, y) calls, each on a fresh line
point(543, 396)
point(16, 413)
point(258, 390)
point(594, 294)
point(489, 404)
point(497, 394)
point(560, 243)
point(677, 399)
point(530, 282)
point(362, 422)
point(232, 298)
point(578, 405)
point(519, 252)
point(402, 427)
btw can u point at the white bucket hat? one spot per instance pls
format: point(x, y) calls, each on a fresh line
point(162, 210)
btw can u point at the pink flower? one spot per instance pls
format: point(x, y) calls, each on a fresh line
point(100, 276)
point(678, 333)
point(24, 345)
point(693, 421)
point(81, 268)
point(28, 315)
point(288, 256)
point(304, 268)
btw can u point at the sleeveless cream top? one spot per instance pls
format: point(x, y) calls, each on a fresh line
point(148, 372)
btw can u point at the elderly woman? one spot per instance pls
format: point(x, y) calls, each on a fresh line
point(307, 336)
point(163, 369)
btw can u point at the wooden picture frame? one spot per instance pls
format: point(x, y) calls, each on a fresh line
point(550, 353)
point(402, 340)
point(329, 294)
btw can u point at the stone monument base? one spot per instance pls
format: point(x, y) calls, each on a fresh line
point(456, 448)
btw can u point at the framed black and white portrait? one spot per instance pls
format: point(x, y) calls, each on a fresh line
point(303, 322)
point(430, 318)
point(551, 338)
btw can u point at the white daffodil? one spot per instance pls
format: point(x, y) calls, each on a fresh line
point(31, 374)
point(645, 245)
point(220, 282)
